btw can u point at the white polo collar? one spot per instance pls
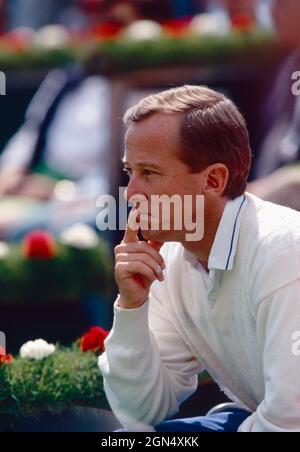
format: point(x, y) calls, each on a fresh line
point(225, 244)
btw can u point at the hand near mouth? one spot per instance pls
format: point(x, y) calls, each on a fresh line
point(138, 265)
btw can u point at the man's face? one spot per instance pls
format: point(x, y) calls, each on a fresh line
point(151, 149)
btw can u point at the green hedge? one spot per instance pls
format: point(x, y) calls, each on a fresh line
point(124, 55)
point(67, 378)
point(35, 59)
point(70, 275)
point(210, 50)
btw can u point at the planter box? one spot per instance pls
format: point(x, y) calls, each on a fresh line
point(73, 420)
point(99, 420)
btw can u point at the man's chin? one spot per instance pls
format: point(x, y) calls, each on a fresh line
point(162, 236)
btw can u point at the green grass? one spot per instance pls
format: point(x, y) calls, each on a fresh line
point(67, 378)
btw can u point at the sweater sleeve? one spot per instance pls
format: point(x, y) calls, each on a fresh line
point(278, 329)
point(147, 368)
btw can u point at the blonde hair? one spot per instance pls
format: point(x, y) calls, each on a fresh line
point(212, 130)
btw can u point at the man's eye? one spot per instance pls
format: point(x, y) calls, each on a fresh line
point(145, 172)
point(148, 172)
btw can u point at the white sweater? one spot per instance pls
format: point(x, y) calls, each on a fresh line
point(245, 335)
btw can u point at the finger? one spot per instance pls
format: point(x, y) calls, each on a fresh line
point(146, 259)
point(140, 247)
point(129, 269)
point(131, 232)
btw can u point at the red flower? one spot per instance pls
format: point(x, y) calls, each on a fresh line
point(243, 22)
point(94, 339)
point(106, 30)
point(17, 40)
point(5, 359)
point(39, 245)
point(177, 27)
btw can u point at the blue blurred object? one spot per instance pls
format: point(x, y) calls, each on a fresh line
point(34, 13)
point(98, 310)
point(183, 8)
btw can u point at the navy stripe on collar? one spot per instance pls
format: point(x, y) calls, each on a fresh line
point(233, 233)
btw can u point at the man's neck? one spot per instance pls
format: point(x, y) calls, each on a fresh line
point(213, 216)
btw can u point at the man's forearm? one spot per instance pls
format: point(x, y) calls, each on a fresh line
point(138, 386)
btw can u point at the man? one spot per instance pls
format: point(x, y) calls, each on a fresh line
point(229, 303)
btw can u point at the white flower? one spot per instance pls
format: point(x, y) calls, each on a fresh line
point(80, 236)
point(65, 190)
point(210, 24)
point(144, 30)
point(38, 349)
point(51, 37)
point(4, 250)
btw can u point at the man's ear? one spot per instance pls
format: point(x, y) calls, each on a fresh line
point(216, 179)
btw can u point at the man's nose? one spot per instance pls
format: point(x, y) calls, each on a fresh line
point(134, 187)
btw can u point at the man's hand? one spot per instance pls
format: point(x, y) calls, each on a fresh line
point(32, 186)
point(138, 265)
point(10, 182)
point(38, 187)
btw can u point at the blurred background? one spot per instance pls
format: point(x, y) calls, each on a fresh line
point(72, 68)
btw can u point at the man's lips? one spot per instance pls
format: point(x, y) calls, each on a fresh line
point(147, 221)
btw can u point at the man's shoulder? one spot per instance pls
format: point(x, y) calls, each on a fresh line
point(271, 226)
point(272, 247)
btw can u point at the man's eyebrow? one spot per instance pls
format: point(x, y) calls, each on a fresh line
point(143, 164)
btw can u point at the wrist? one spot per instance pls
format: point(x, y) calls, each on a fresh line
point(122, 303)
